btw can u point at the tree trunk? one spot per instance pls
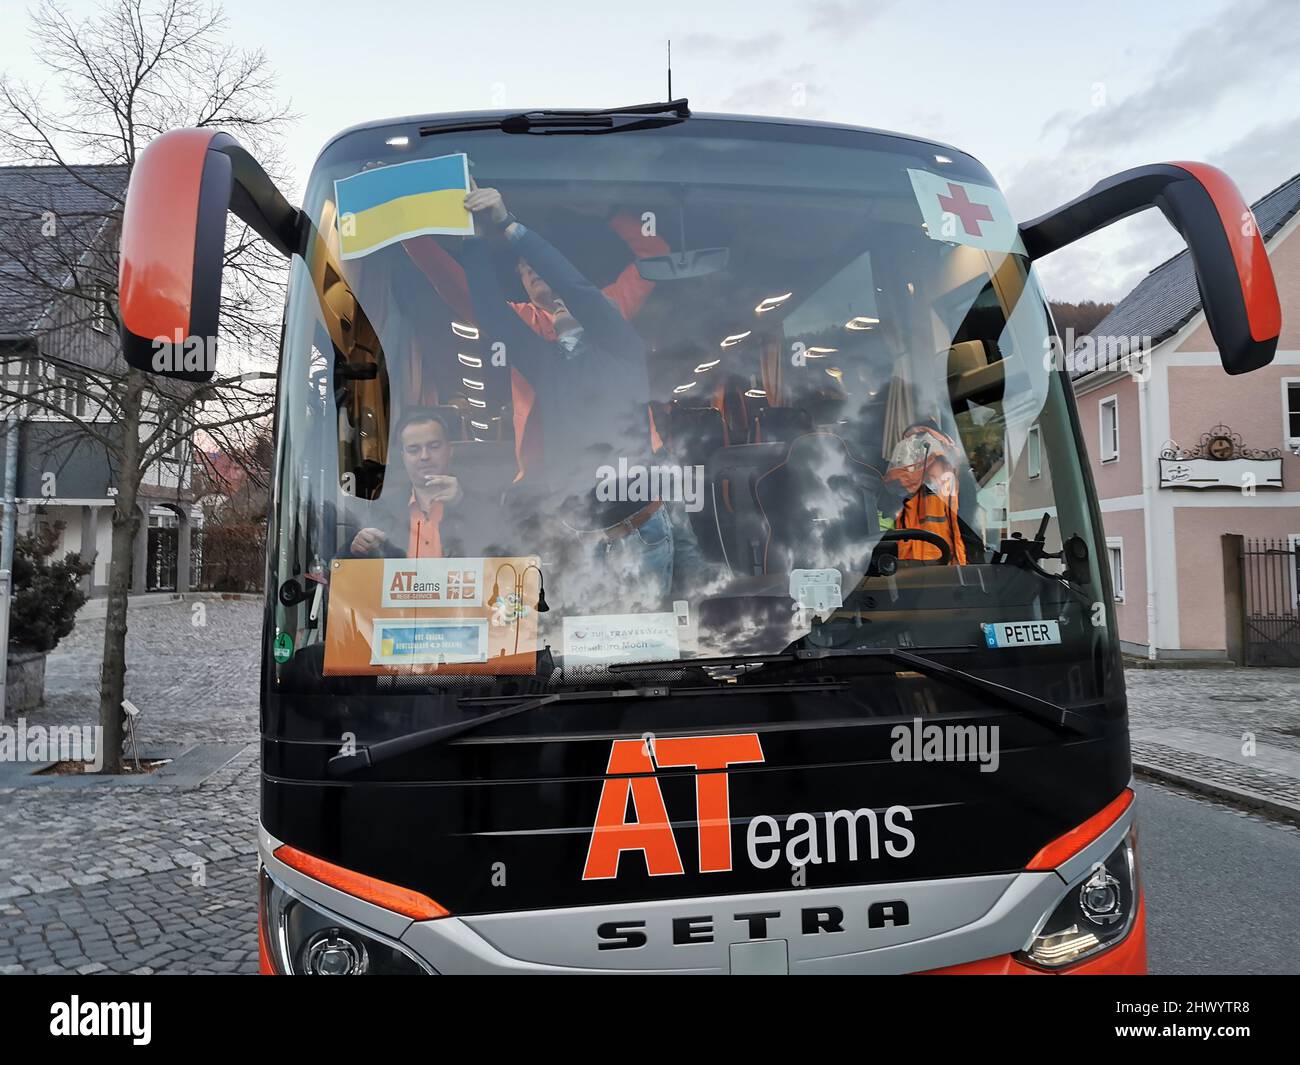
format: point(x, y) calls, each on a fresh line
point(126, 524)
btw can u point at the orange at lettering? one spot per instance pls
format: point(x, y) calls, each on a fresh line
point(712, 797)
point(650, 833)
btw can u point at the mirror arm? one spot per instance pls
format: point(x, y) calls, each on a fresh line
point(256, 199)
point(1238, 292)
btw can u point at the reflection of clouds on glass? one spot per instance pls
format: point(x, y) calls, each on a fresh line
point(740, 626)
point(821, 507)
point(850, 326)
point(1021, 344)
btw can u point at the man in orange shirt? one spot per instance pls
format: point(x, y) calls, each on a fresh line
point(425, 446)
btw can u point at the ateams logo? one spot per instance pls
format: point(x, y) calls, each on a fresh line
point(406, 584)
point(410, 582)
point(632, 774)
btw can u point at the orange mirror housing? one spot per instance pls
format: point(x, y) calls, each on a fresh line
point(173, 246)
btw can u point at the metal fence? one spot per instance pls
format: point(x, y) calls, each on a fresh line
point(1270, 572)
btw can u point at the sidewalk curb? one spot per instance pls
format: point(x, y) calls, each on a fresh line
point(95, 609)
point(1236, 796)
point(1133, 662)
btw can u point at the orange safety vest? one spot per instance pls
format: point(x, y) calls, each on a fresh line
point(931, 481)
point(933, 513)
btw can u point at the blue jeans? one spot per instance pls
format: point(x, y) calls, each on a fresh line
point(636, 570)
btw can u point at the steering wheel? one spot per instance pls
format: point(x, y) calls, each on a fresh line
point(888, 564)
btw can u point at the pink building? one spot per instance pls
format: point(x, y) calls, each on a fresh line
point(1198, 473)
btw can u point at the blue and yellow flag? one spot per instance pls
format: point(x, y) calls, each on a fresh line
point(390, 203)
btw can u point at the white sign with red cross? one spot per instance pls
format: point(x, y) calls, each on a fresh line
point(964, 213)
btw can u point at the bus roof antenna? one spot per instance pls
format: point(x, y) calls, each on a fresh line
point(670, 68)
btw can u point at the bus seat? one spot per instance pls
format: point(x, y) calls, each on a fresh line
point(819, 508)
point(486, 467)
point(696, 433)
point(781, 423)
point(454, 417)
point(730, 474)
point(975, 375)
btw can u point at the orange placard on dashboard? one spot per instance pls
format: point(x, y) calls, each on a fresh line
point(432, 615)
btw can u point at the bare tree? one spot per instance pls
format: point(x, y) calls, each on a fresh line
point(132, 71)
point(1083, 317)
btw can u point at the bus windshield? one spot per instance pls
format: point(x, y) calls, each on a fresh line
point(704, 392)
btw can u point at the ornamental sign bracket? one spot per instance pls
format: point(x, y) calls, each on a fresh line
point(1220, 460)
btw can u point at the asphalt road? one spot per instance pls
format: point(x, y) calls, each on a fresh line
point(1223, 887)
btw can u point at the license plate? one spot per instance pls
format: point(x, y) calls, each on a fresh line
point(1021, 633)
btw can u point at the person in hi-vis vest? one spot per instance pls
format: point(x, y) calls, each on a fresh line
point(923, 467)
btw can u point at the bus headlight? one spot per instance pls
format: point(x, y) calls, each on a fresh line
point(1095, 912)
point(304, 940)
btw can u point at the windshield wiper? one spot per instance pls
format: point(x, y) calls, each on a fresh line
point(1052, 714)
point(344, 764)
point(1055, 716)
point(1049, 713)
point(604, 120)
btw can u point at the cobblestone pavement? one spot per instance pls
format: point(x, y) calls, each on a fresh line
point(191, 670)
point(161, 879)
point(143, 879)
point(1230, 702)
point(1232, 732)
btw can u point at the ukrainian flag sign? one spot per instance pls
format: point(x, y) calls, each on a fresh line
point(390, 203)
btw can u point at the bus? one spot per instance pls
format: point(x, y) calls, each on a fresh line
point(682, 556)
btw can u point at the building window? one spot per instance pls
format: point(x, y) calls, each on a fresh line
point(100, 319)
point(1115, 556)
point(17, 381)
point(1108, 410)
point(1034, 452)
point(66, 395)
point(1291, 410)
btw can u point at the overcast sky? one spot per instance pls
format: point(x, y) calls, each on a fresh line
point(1050, 96)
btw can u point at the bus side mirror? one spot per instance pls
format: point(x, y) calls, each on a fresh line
point(1232, 269)
point(173, 246)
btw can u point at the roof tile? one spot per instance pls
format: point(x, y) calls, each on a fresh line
point(33, 262)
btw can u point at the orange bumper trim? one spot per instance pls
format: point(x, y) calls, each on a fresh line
point(379, 892)
point(1065, 847)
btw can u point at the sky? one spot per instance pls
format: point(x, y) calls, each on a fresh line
point(1050, 96)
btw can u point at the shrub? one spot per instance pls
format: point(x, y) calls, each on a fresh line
point(234, 557)
point(46, 594)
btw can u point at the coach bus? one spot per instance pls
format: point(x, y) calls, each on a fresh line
point(682, 553)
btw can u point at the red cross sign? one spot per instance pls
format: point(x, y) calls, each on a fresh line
point(970, 213)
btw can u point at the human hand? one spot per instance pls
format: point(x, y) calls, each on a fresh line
point(443, 488)
point(489, 201)
point(368, 541)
